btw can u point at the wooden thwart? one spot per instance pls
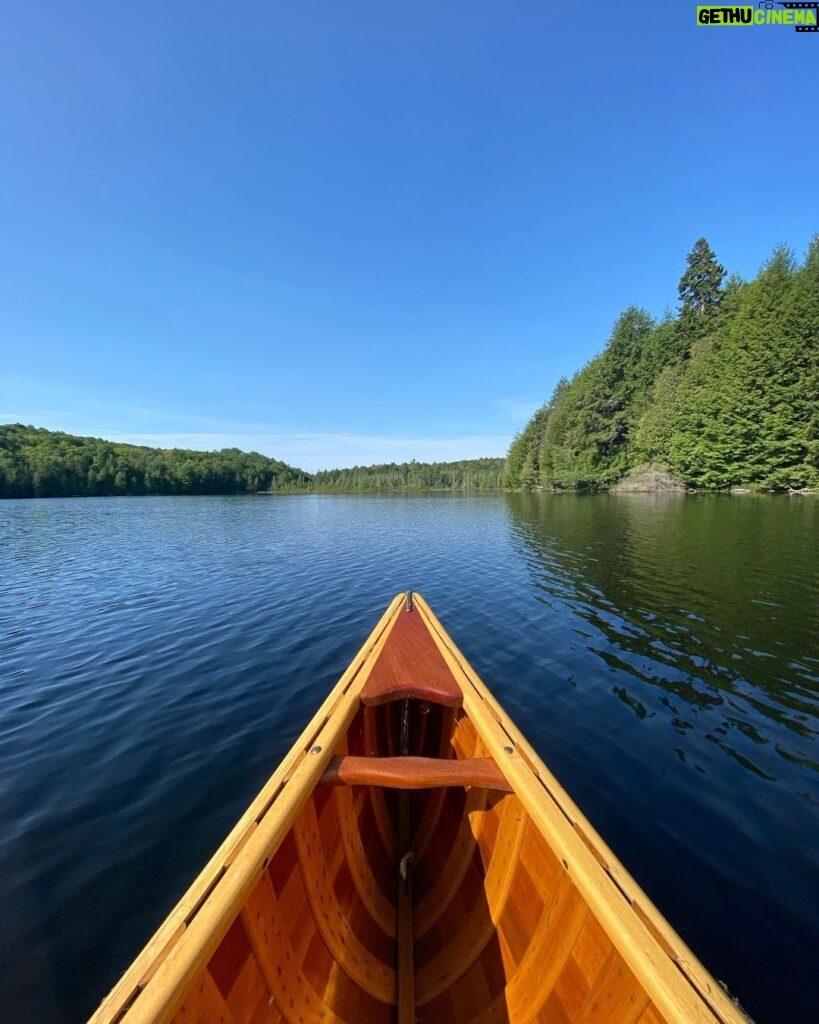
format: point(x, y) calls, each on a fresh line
point(306, 913)
point(414, 773)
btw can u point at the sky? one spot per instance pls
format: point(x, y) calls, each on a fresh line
point(346, 233)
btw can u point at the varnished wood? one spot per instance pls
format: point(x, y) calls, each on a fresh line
point(375, 744)
point(411, 666)
point(412, 861)
point(460, 854)
point(478, 925)
point(333, 924)
point(680, 987)
point(406, 940)
point(216, 894)
point(414, 773)
point(380, 906)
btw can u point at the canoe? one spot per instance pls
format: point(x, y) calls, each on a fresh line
point(413, 859)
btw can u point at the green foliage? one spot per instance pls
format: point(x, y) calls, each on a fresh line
point(726, 393)
point(466, 475)
point(523, 460)
point(700, 289)
point(655, 429)
point(582, 437)
point(36, 463)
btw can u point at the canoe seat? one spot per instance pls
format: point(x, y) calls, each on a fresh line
point(415, 772)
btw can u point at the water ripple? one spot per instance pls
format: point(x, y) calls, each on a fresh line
point(158, 656)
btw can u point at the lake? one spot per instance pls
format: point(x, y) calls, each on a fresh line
point(158, 656)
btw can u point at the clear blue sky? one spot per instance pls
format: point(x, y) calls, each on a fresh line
point(346, 232)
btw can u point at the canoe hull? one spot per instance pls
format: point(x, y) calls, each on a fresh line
point(412, 859)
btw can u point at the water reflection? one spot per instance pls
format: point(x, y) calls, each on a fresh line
point(703, 609)
point(158, 657)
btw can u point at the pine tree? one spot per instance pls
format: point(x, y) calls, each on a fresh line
point(700, 292)
point(724, 394)
point(700, 284)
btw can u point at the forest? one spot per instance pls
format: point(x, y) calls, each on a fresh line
point(466, 475)
point(37, 463)
point(723, 393)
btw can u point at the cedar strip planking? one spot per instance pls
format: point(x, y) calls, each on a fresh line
point(249, 999)
point(521, 912)
point(450, 877)
point(346, 947)
point(681, 989)
point(267, 934)
point(380, 908)
point(616, 995)
point(455, 959)
point(550, 948)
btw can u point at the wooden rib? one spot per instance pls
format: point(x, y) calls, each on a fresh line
point(650, 1016)
point(452, 875)
point(553, 939)
point(204, 1004)
point(465, 738)
point(429, 822)
point(459, 954)
point(406, 942)
point(213, 900)
point(383, 819)
point(680, 987)
point(616, 995)
point(414, 773)
point(366, 970)
point(425, 829)
point(267, 935)
point(249, 999)
point(381, 909)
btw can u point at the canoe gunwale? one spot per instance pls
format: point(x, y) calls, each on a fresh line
point(683, 990)
point(153, 988)
point(188, 936)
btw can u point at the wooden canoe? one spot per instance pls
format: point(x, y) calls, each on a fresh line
point(412, 859)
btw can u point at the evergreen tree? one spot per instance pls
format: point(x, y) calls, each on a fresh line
point(700, 293)
point(586, 436)
point(699, 286)
point(724, 394)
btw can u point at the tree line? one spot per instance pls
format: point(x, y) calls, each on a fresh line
point(38, 463)
point(466, 475)
point(723, 393)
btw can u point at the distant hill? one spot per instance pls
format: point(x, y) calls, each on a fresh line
point(724, 393)
point(37, 463)
point(466, 475)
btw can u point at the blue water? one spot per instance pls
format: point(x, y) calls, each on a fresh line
point(158, 656)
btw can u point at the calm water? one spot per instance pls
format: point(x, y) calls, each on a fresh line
point(158, 656)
